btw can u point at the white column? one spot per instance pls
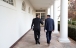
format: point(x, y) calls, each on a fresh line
point(48, 11)
point(55, 16)
point(64, 22)
point(51, 11)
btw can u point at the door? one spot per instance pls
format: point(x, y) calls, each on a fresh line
point(43, 18)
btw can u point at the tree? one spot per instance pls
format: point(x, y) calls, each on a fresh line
point(72, 9)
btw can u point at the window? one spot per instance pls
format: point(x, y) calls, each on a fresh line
point(23, 6)
point(9, 1)
point(29, 10)
point(32, 11)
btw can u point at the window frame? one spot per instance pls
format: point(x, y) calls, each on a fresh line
point(23, 6)
point(29, 9)
point(10, 2)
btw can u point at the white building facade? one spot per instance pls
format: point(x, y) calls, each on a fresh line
point(16, 18)
point(14, 21)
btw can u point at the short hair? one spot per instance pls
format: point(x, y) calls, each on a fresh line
point(36, 15)
point(48, 15)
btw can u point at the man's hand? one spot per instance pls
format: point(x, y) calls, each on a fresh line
point(45, 30)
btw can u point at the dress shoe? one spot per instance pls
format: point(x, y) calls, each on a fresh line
point(38, 42)
point(48, 44)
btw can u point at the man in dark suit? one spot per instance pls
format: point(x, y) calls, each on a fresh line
point(36, 27)
point(49, 27)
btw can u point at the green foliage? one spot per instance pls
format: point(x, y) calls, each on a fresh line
point(72, 23)
point(69, 22)
point(72, 32)
point(58, 27)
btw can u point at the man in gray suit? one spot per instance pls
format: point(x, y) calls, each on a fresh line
point(49, 27)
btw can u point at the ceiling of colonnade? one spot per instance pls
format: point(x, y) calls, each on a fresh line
point(41, 4)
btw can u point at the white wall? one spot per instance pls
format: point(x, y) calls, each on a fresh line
point(14, 22)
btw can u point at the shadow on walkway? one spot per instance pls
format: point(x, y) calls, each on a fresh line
point(28, 41)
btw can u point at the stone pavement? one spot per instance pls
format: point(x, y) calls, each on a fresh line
point(28, 41)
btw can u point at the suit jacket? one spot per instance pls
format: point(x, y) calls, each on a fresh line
point(49, 24)
point(36, 23)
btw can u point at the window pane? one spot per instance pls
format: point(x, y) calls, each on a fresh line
point(23, 6)
point(42, 16)
point(9, 1)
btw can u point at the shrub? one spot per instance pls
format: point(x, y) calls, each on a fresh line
point(74, 23)
point(69, 22)
point(72, 32)
point(58, 27)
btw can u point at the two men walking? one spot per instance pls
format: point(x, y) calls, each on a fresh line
point(48, 27)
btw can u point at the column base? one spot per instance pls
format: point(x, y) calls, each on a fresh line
point(64, 40)
point(56, 32)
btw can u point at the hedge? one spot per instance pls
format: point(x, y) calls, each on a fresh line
point(71, 31)
point(58, 27)
point(73, 22)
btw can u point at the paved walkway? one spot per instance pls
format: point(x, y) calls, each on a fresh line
point(28, 42)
